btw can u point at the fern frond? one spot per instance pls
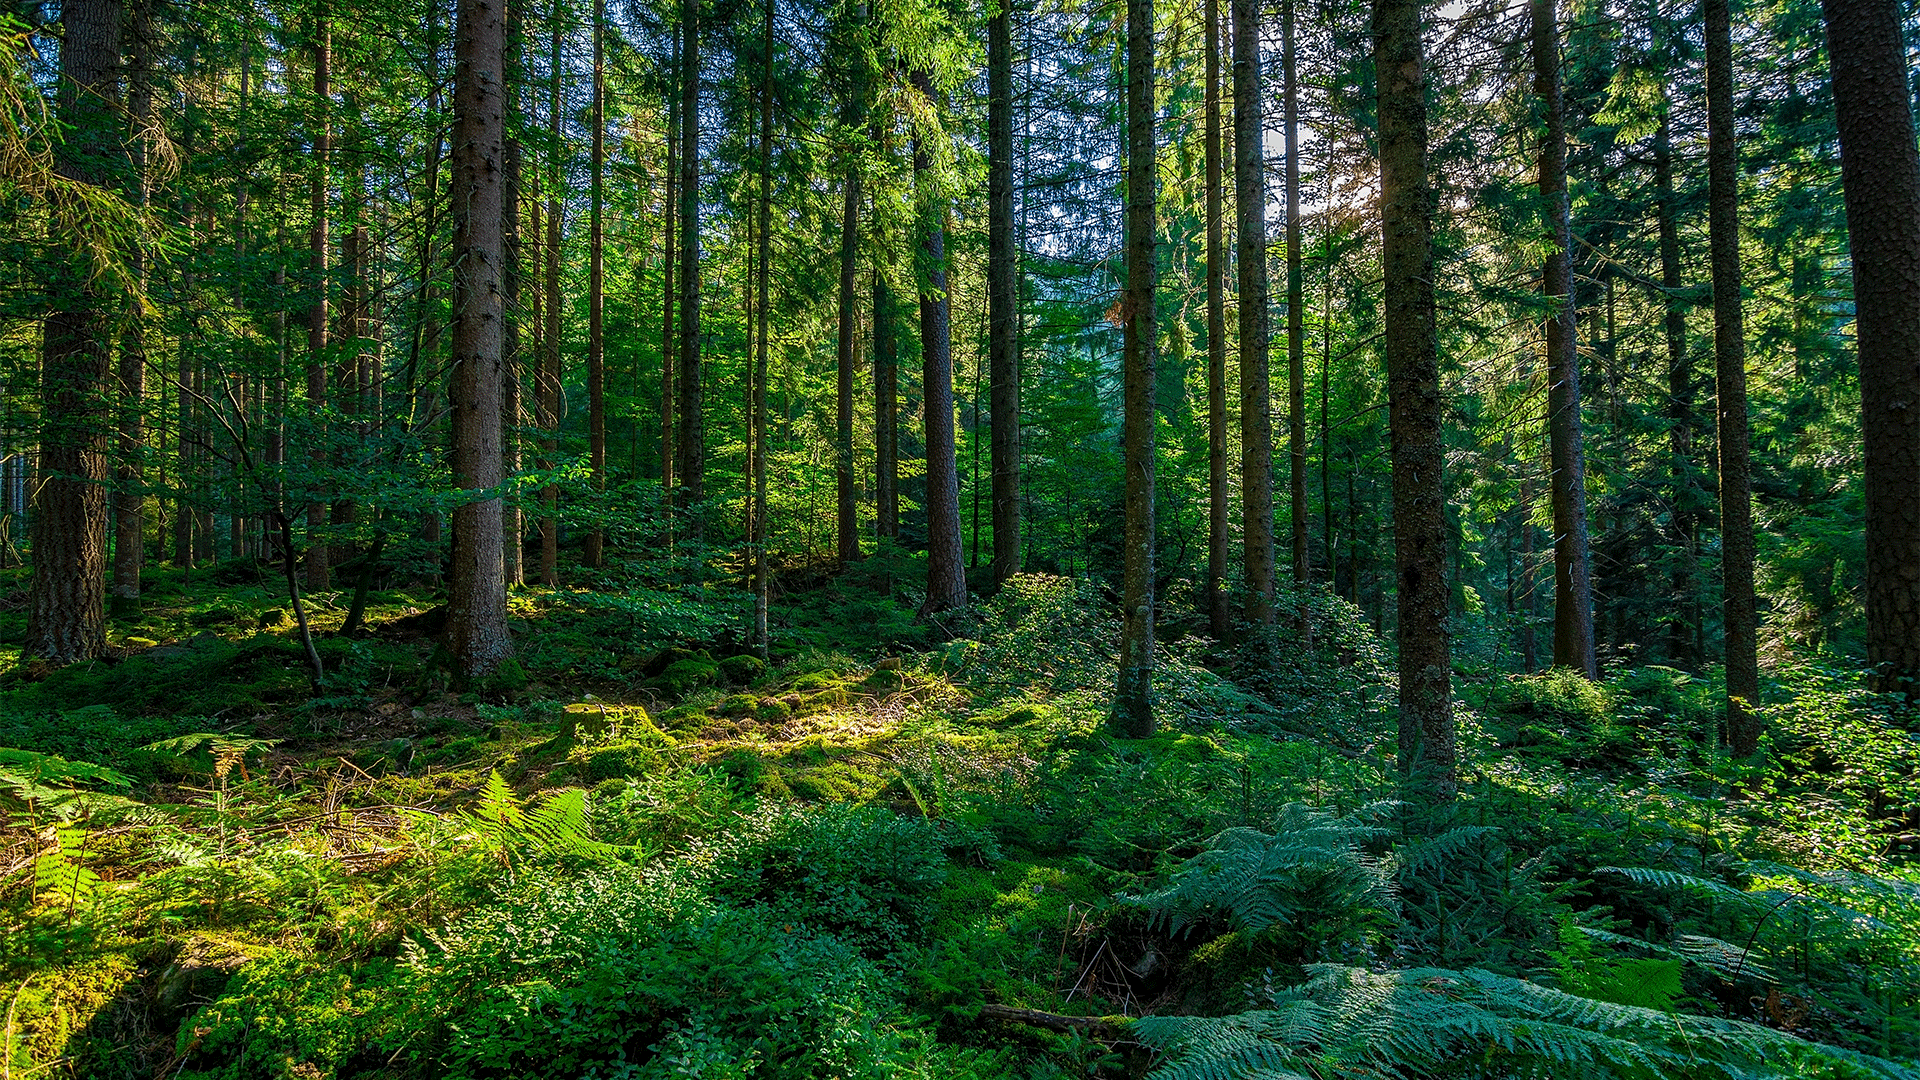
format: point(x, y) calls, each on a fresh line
point(1670, 879)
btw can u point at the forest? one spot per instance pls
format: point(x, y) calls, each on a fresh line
point(780, 539)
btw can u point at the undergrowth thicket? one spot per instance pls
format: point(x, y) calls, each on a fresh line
point(903, 850)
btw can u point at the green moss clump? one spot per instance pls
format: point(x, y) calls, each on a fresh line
point(682, 677)
point(885, 679)
point(771, 710)
point(619, 759)
point(739, 705)
point(816, 680)
point(823, 701)
point(51, 1014)
point(742, 669)
point(1024, 714)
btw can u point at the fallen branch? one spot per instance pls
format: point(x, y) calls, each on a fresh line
point(1109, 1027)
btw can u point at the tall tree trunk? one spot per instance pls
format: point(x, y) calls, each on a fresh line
point(1730, 388)
point(319, 560)
point(513, 277)
point(129, 503)
point(1219, 621)
point(1256, 402)
point(1003, 316)
point(946, 573)
point(668, 207)
point(1686, 494)
point(693, 461)
point(1415, 409)
point(549, 381)
point(596, 288)
point(477, 603)
point(1572, 563)
point(1296, 310)
point(1133, 699)
point(846, 524)
point(886, 411)
point(66, 606)
point(761, 582)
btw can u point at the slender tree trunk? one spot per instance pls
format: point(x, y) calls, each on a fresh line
point(1296, 313)
point(886, 412)
point(1572, 563)
point(66, 605)
point(513, 277)
point(693, 464)
point(129, 503)
point(549, 381)
point(1219, 621)
point(847, 546)
point(761, 582)
point(1133, 699)
point(946, 572)
point(596, 288)
point(1256, 403)
point(319, 560)
point(1686, 495)
point(1414, 404)
point(477, 604)
point(668, 207)
point(1730, 388)
point(1003, 316)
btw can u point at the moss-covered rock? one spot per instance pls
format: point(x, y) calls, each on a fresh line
point(742, 669)
point(739, 705)
point(683, 677)
point(771, 710)
point(815, 681)
point(50, 1014)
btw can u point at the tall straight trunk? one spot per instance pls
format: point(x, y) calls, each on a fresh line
point(1686, 496)
point(1003, 314)
point(1219, 620)
point(761, 582)
point(846, 524)
point(596, 286)
point(513, 277)
point(1572, 563)
point(1415, 408)
point(477, 602)
point(1730, 388)
point(693, 460)
point(946, 573)
point(1296, 309)
point(1133, 698)
point(886, 412)
point(129, 501)
point(319, 561)
point(668, 208)
point(66, 606)
point(549, 380)
point(1250, 207)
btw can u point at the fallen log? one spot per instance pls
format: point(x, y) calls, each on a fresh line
point(1106, 1027)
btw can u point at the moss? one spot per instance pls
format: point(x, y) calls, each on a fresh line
point(742, 669)
point(739, 705)
point(884, 679)
point(685, 676)
point(816, 680)
point(510, 676)
point(824, 701)
point(839, 781)
point(593, 719)
point(1023, 714)
point(52, 1013)
point(683, 719)
point(771, 710)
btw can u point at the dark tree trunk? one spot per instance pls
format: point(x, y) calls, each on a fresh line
point(693, 464)
point(1219, 620)
point(668, 208)
point(1133, 699)
point(1003, 317)
point(596, 287)
point(1256, 401)
point(1296, 311)
point(549, 390)
point(762, 584)
point(1573, 587)
point(129, 504)
point(1881, 172)
point(847, 546)
point(886, 412)
point(1730, 388)
point(513, 277)
point(1686, 493)
point(946, 572)
point(1415, 407)
point(66, 607)
point(477, 603)
point(319, 560)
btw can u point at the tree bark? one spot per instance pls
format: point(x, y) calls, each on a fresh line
point(1880, 170)
point(513, 277)
point(1296, 311)
point(1572, 563)
point(886, 411)
point(1730, 388)
point(668, 208)
point(549, 381)
point(1219, 619)
point(847, 546)
point(692, 410)
point(946, 573)
point(596, 288)
point(1133, 699)
point(1414, 405)
point(477, 602)
point(1256, 403)
point(761, 582)
point(129, 502)
point(1003, 317)
point(1686, 494)
point(319, 560)
point(66, 605)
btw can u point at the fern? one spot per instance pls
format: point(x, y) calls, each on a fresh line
point(36, 783)
point(1349, 1022)
point(557, 827)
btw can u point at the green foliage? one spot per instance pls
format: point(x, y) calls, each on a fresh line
point(34, 784)
point(556, 827)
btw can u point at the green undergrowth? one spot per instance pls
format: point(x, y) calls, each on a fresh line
point(665, 858)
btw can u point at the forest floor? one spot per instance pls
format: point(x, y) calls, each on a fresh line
point(904, 850)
